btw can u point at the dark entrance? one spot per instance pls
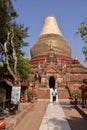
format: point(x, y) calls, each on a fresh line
point(52, 82)
point(5, 89)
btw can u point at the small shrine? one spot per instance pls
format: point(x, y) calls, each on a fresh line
point(6, 89)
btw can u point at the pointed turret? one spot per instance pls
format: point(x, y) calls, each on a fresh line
point(50, 33)
point(50, 26)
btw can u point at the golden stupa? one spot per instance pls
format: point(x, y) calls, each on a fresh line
point(50, 35)
point(51, 58)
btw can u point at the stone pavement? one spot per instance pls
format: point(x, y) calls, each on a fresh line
point(44, 115)
point(54, 118)
point(13, 120)
point(34, 117)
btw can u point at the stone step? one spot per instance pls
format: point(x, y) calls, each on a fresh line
point(63, 93)
point(43, 93)
point(61, 88)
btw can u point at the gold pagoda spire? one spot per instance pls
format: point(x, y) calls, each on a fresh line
point(50, 26)
point(50, 32)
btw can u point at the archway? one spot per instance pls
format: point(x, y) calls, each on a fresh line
point(52, 82)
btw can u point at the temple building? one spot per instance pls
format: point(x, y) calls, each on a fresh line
point(51, 59)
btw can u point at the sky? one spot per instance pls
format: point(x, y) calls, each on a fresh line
point(69, 14)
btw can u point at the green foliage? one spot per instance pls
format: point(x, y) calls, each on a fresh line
point(20, 34)
point(23, 68)
point(2, 69)
point(30, 95)
point(6, 16)
point(7, 23)
point(82, 31)
point(78, 94)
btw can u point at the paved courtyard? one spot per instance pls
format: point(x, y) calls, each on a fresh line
point(46, 115)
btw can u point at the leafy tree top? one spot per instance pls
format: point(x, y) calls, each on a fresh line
point(12, 41)
point(82, 31)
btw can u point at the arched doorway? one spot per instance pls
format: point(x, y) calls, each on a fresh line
point(52, 82)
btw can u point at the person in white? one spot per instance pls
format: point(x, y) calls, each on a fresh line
point(54, 93)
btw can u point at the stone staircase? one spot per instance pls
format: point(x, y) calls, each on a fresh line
point(63, 93)
point(44, 93)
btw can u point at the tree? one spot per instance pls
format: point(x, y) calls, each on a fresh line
point(82, 31)
point(12, 41)
point(24, 68)
point(7, 14)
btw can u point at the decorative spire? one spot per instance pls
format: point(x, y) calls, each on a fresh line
point(50, 33)
point(50, 26)
point(75, 58)
point(50, 43)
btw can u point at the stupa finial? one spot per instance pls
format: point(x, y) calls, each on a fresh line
point(50, 26)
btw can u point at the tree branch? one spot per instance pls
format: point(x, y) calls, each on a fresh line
point(6, 56)
point(13, 52)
